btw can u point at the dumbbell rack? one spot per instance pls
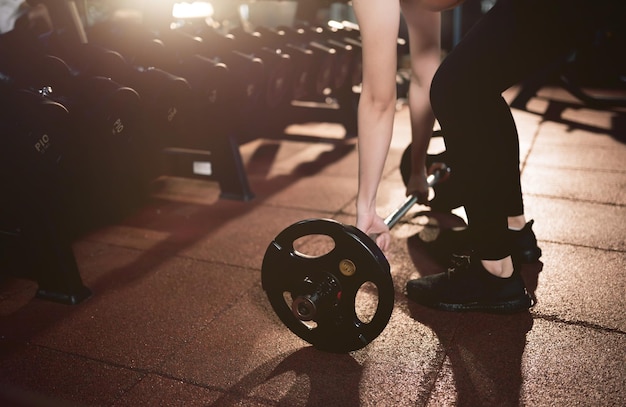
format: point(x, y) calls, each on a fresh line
point(34, 235)
point(204, 146)
point(186, 101)
point(324, 70)
point(33, 245)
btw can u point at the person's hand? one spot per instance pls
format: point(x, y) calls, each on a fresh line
point(374, 226)
point(418, 187)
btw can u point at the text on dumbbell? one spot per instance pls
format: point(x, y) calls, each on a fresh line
point(43, 144)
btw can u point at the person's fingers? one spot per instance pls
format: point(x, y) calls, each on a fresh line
point(418, 186)
point(383, 241)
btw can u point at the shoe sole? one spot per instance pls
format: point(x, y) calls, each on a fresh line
point(504, 307)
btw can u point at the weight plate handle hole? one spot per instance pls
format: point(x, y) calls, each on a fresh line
point(314, 245)
point(366, 302)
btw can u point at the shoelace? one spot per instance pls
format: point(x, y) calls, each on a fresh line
point(458, 261)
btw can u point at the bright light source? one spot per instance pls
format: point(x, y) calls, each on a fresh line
point(197, 9)
point(335, 24)
point(244, 11)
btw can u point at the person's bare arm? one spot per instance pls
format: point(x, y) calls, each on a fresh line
point(379, 23)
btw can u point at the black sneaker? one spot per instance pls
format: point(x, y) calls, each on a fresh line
point(467, 286)
point(457, 242)
point(525, 249)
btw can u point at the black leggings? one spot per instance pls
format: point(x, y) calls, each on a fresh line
point(512, 41)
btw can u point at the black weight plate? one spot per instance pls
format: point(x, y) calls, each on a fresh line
point(446, 193)
point(284, 269)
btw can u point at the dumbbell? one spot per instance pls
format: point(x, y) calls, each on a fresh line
point(167, 99)
point(337, 74)
point(278, 64)
point(138, 45)
point(303, 59)
point(105, 118)
point(103, 121)
point(37, 149)
point(98, 106)
point(350, 33)
point(206, 96)
point(347, 58)
point(35, 136)
point(248, 71)
point(315, 295)
point(92, 99)
point(324, 60)
point(169, 105)
point(179, 52)
point(336, 55)
point(262, 76)
point(36, 220)
point(447, 196)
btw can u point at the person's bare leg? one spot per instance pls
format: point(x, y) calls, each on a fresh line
point(424, 29)
point(504, 267)
point(499, 268)
point(516, 222)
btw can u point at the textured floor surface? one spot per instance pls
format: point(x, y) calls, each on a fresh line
point(178, 316)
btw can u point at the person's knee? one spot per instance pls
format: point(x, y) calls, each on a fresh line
point(443, 95)
point(451, 94)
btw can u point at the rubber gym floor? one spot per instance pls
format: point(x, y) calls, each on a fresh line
point(178, 316)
